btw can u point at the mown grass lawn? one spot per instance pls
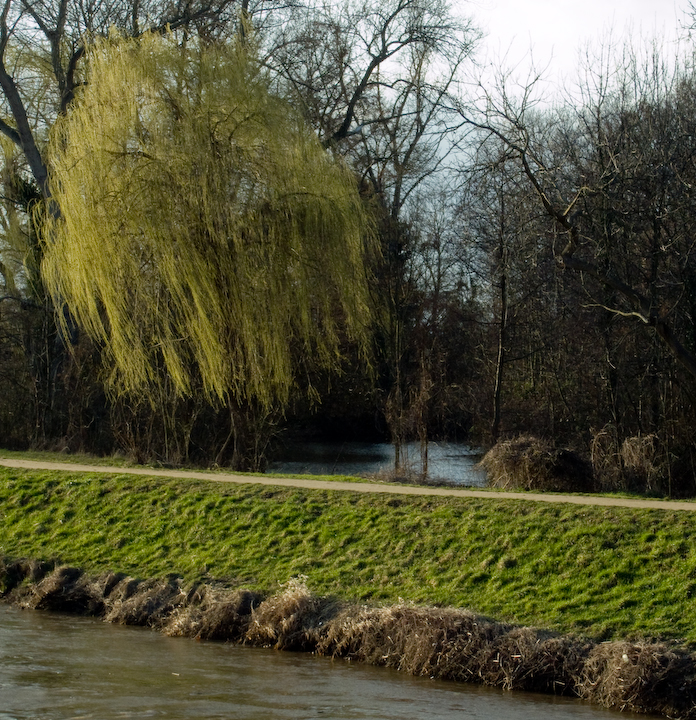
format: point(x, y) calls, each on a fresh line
point(603, 572)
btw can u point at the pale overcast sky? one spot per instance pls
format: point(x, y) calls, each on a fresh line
point(557, 29)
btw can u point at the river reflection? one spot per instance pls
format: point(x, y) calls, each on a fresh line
point(451, 462)
point(58, 667)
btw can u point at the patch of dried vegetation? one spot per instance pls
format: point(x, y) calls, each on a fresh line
point(444, 643)
point(531, 463)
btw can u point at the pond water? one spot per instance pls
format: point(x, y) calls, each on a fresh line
point(451, 462)
point(61, 667)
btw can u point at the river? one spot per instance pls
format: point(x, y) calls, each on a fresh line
point(63, 667)
point(451, 462)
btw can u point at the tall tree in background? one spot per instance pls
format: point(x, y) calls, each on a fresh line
point(374, 79)
point(613, 174)
point(336, 58)
point(205, 239)
point(574, 164)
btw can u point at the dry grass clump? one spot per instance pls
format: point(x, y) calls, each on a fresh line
point(554, 664)
point(605, 456)
point(641, 677)
point(530, 463)
point(211, 613)
point(15, 572)
point(66, 589)
point(456, 645)
point(640, 463)
point(146, 602)
point(417, 640)
point(295, 619)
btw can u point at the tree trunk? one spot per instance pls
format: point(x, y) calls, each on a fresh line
point(502, 327)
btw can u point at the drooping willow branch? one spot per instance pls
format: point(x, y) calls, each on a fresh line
point(205, 233)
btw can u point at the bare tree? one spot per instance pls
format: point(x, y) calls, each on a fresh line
point(589, 158)
point(610, 172)
point(336, 56)
point(375, 81)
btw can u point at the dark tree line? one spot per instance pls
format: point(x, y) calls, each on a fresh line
point(535, 270)
point(604, 262)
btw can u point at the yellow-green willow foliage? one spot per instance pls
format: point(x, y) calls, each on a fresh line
point(203, 230)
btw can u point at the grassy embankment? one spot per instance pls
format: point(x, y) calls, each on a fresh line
point(602, 572)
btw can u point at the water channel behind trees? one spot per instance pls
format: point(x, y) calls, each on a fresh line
point(56, 667)
point(449, 462)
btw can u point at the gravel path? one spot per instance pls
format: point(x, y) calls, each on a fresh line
point(363, 487)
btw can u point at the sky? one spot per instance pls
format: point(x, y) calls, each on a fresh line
point(556, 30)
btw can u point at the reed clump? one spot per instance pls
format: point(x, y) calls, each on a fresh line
point(646, 464)
point(15, 572)
point(444, 643)
point(213, 613)
point(641, 677)
point(64, 589)
point(294, 619)
point(147, 602)
point(458, 645)
point(531, 463)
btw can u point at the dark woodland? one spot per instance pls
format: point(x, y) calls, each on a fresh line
point(535, 266)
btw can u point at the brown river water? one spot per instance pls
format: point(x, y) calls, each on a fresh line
point(62, 667)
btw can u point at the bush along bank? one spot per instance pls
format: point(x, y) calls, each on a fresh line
point(448, 644)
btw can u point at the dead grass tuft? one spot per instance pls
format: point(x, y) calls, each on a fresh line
point(106, 583)
point(530, 463)
point(641, 677)
point(15, 572)
point(294, 619)
point(214, 614)
point(641, 463)
point(65, 589)
point(534, 660)
point(455, 645)
point(605, 456)
point(420, 641)
point(146, 602)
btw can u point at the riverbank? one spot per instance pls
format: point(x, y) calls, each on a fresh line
point(605, 573)
point(440, 643)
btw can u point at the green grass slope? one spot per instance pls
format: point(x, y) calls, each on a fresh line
point(603, 572)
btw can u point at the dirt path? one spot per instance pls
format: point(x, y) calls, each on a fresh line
point(363, 487)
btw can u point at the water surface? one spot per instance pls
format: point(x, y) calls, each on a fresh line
point(62, 667)
point(451, 462)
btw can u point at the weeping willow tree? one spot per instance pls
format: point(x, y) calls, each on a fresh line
point(203, 234)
